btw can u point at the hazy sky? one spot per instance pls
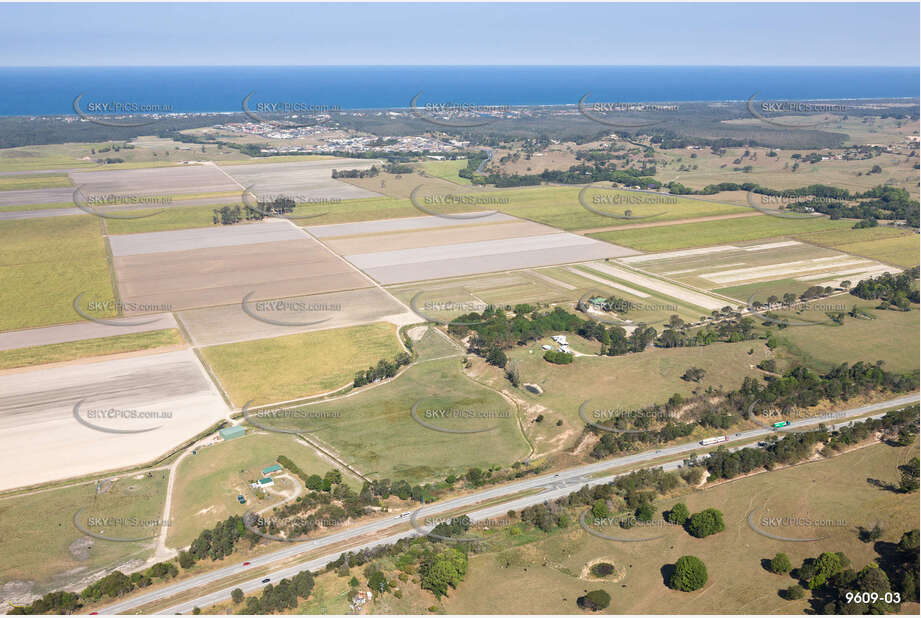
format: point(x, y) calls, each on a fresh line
point(459, 34)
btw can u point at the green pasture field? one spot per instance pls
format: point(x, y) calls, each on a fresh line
point(45, 264)
point(703, 234)
point(301, 365)
point(891, 337)
point(446, 170)
point(555, 206)
point(174, 218)
point(375, 432)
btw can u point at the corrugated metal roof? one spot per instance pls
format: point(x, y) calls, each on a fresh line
point(232, 432)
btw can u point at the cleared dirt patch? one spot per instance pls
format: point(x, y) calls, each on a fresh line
point(228, 323)
point(182, 179)
point(60, 195)
point(302, 180)
point(225, 275)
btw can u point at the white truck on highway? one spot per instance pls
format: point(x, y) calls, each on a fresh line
point(714, 440)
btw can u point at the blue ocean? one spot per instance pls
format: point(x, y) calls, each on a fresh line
point(52, 90)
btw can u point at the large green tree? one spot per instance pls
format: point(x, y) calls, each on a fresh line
point(690, 574)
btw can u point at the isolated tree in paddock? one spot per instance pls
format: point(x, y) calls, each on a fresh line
point(690, 574)
point(780, 564)
point(596, 600)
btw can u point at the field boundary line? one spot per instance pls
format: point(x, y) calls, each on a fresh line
point(352, 266)
point(110, 262)
point(330, 453)
point(214, 380)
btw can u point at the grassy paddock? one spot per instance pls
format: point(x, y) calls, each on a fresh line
point(172, 218)
point(373, 428)
point(689, 235)
point(892, 337)
point(40, 544)
point(45, 264)
point(285, 368)
point(447, 170)
point(886, 244)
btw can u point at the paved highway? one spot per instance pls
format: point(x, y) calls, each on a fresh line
point(545, 487)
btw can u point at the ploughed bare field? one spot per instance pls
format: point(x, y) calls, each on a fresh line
point(468, 258)
point(301, 180)
point(422, 248)
point(131, 411)
point(288, 316)
point(186, 269)
point(163, 181)
point(407, 224)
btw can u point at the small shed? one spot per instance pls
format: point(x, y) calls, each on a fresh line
point(271, 469)
point(229, 433)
